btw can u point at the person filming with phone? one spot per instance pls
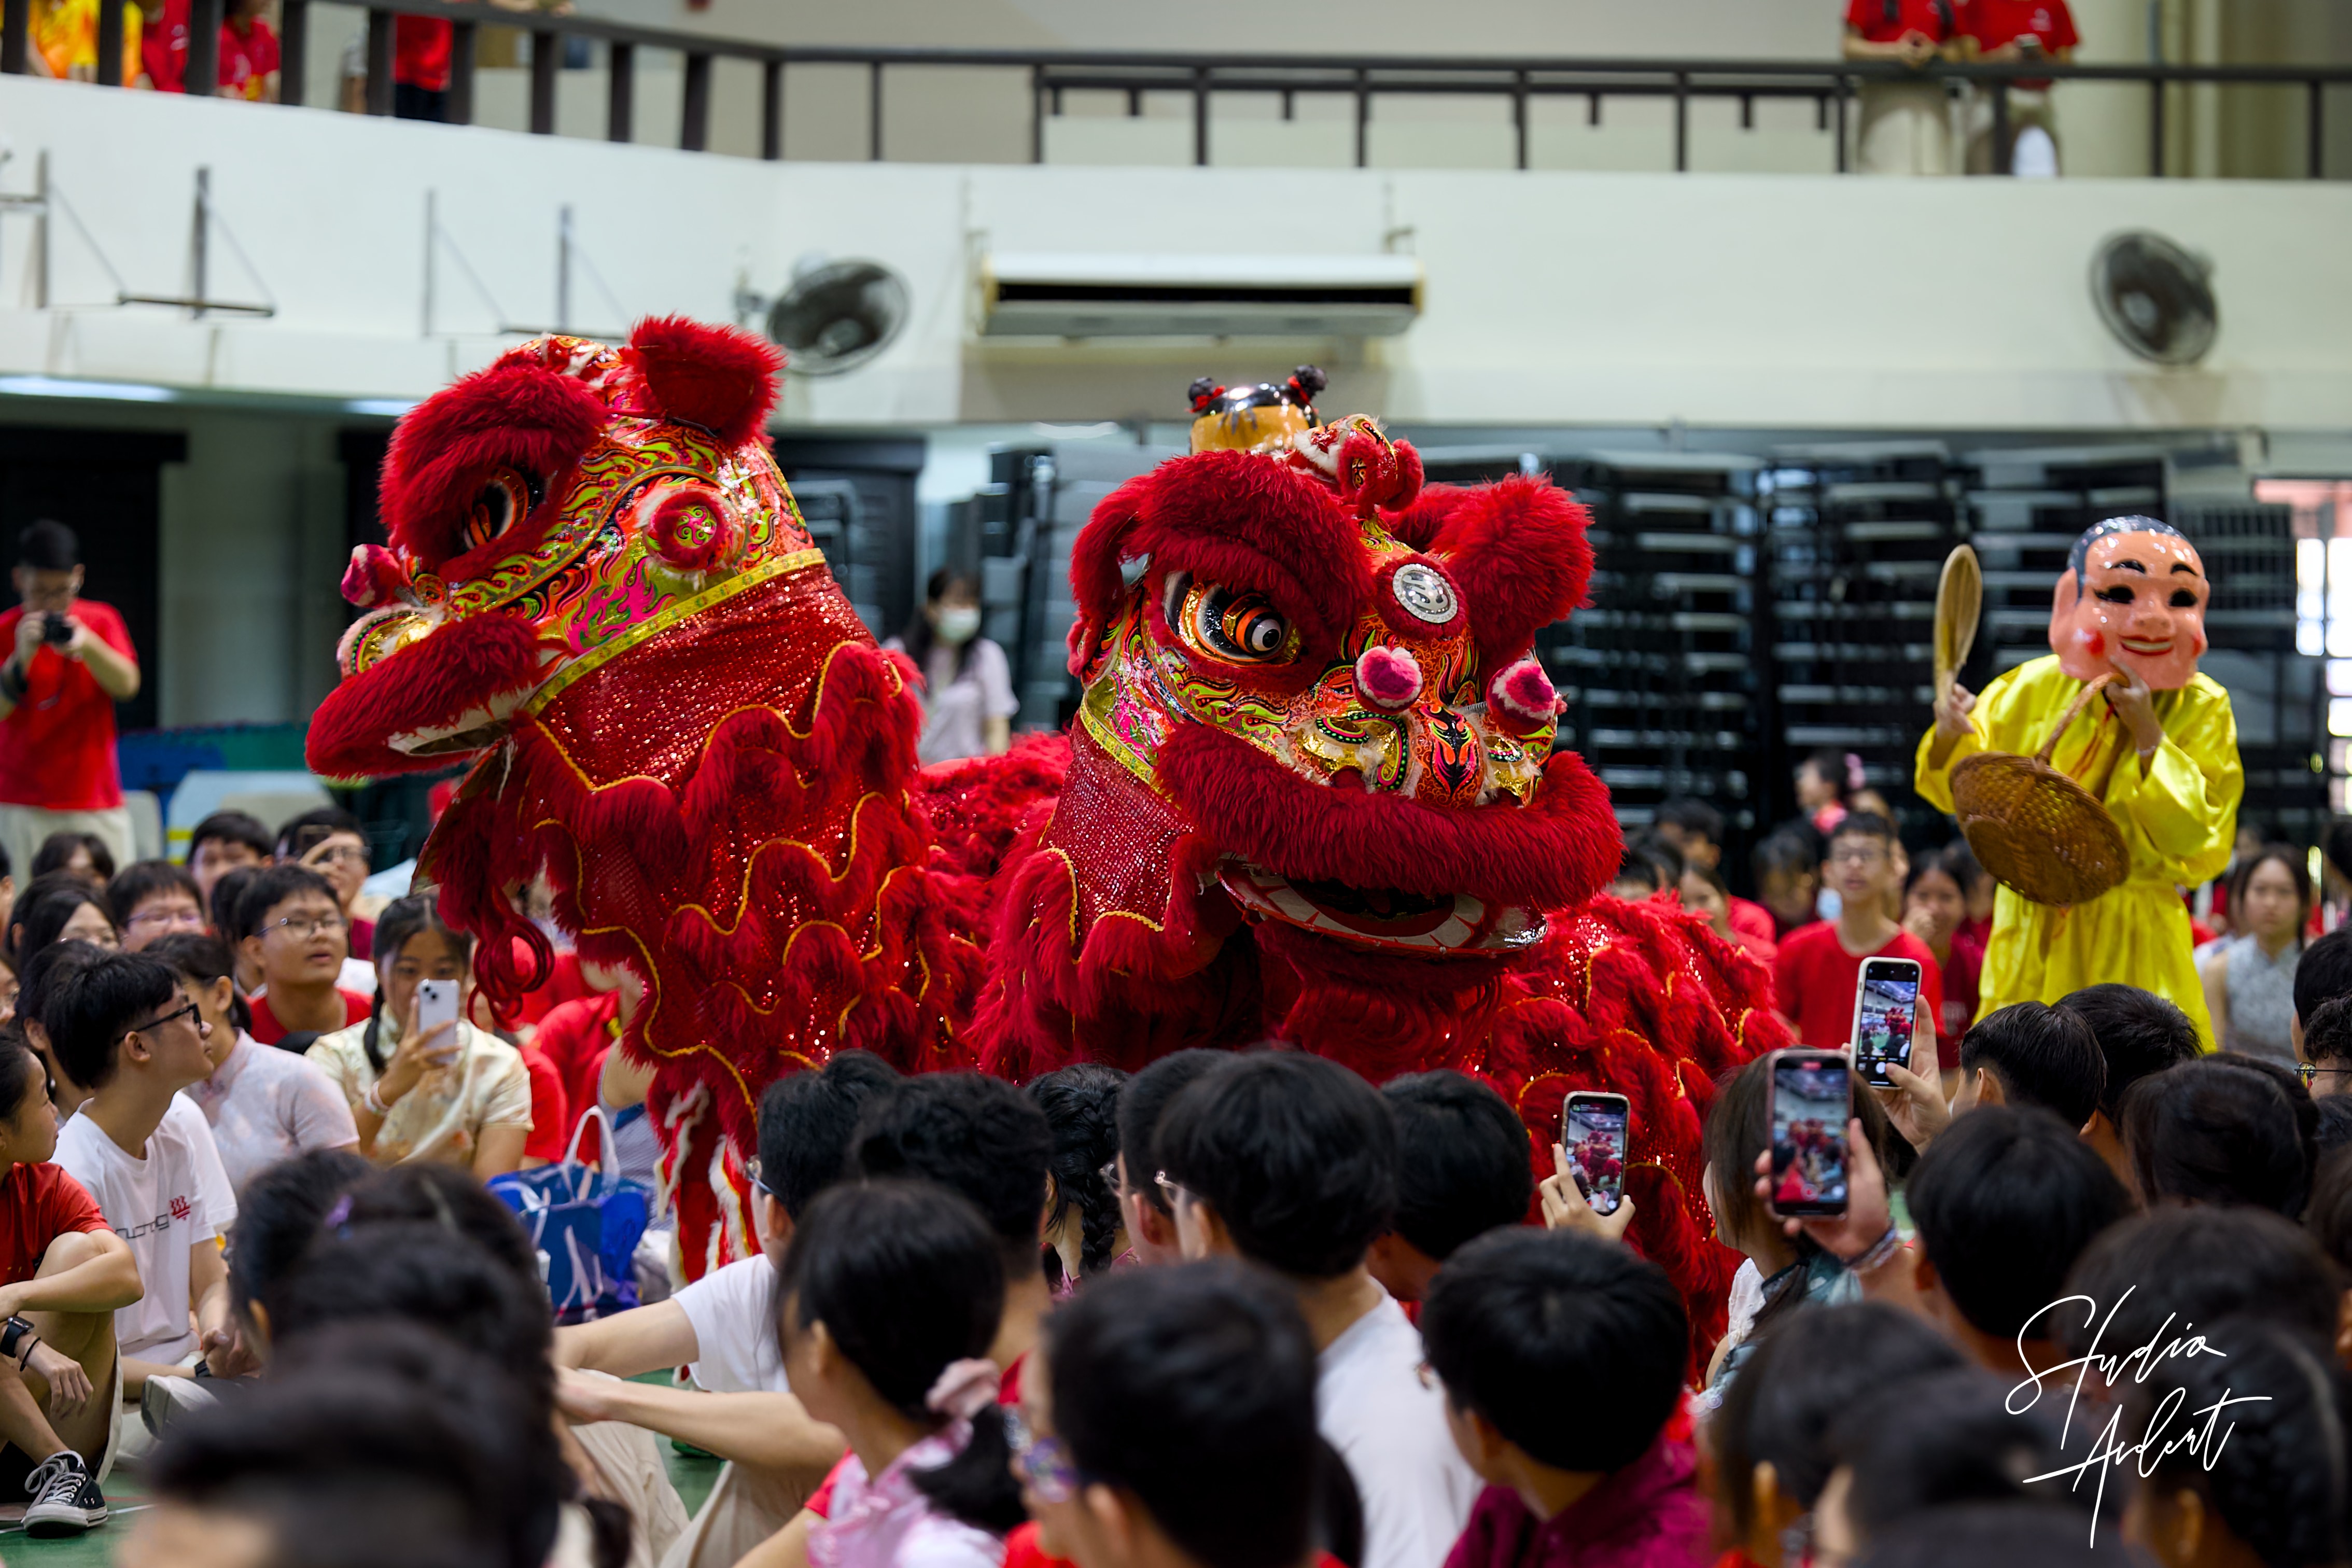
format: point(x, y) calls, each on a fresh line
point(423, 1083)
point(69, 662)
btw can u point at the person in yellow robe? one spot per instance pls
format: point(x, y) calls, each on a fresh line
point(2132, 602)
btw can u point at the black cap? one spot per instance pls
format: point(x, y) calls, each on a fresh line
point(48, 546)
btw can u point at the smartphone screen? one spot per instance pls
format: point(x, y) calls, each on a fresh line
point(1886, 1010)
point(436, 1004)
point(1811, 1101)
point(1592, 1130)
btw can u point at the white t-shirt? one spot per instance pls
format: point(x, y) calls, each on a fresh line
point(1371, 1404)
point(163, 1204)
point(265, 1105)
point(733, 1313)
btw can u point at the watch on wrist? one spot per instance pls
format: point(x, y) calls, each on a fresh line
point(13, 1337)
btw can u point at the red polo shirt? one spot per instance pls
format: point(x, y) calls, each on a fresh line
point(1885, 21)
point(56, 745)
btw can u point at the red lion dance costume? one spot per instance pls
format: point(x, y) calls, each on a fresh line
point(1311, 795)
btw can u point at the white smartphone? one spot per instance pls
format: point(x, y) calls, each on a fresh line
point(1885, 1011)
point(436, 1004)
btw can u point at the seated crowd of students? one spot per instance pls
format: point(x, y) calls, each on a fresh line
point(1239, 1310)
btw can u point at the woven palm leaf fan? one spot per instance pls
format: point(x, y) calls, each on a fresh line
point(1959, 604)
point(2041, 835)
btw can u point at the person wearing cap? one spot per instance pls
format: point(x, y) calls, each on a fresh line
point(69, 662)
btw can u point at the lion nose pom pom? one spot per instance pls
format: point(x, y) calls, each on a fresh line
point(1523, 696)
point(1388, 677)
point(375, 577)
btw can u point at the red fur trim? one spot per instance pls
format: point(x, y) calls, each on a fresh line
point(721, 378)
point(428, 685)
point(1555, 851)
point(1234, 518)
point(1518, 549)
point(509, 417)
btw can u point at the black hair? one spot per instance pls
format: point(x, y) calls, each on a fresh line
point(908, 1279)
point(2276, 1477)
point(421, 1271)
point(233, 827)
point(1520, 1316)
point(1737, 1129)
point(45, 545)
point(2005, 1200)
point(37, 980)
point(2219, 1132)
point(1081, 1106)
point(1640, 870)
point(920, 634)
point(806, 1120)
point(1296, 1154)
point(1834, 768)
point(1788, 850)
point(452, 1198)
point(1860, 823)
point(1808, 1370)
point(1712, 876)
point(203, 958)
point(2335, 845)
point(331, 819)
point(2334, 1128)
point(2194, 1267)
point(1940, 1440)
point(20, 1070)
point(57, 853)
point(91, 1011)
point(1692, 816)
point(1668, 861)
point(2328, 1216)
point(2078, 554)
point(402, 920)
point(2298, 869)
point(42, 910)
point(227, 910)
point(2323, 972)
point(143, 879)
point(977, 1136)
point(1938, 862)
point(2327, 1033)
point(1144, 1101)
point(2014, 1534)
point(359, 1467)
point(279, 1213)
point(2043, 1055)
point(2139, 1034)
point(1462, 1159)
point(1193, 1389)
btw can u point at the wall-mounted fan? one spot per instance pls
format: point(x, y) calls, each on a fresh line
point(837, 315)
point(2155, 297)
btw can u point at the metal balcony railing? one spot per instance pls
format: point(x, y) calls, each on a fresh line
point(1049, 74)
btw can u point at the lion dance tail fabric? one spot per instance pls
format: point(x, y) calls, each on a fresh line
point(1311, 797)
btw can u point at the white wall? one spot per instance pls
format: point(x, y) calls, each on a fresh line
point(1552, 297)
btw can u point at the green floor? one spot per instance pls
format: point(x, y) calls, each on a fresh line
point(694, 1475)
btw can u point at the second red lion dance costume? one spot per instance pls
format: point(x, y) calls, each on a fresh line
point(1311, 795)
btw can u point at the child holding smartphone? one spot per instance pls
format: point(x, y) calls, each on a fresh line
point(423, 1083)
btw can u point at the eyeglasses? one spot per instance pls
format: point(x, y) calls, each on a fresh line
point(1178, 1194)
point(1110, 1174)
point(303, 927)
point(1044, 1463)
point(752, 1169)
point(1856, 854)
point(196, 1020)
point(185, 919)
point(338, 852)
point(2310, 1071)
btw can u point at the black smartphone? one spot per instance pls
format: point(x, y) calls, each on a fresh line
point(57, 628)
point(1812, 1099)
point(1593, 1129)
point(1885, 1011)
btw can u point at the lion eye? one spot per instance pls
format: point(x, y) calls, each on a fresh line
point(503, 500)
point(1236, 625)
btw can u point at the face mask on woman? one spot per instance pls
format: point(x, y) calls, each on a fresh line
point(958, 624)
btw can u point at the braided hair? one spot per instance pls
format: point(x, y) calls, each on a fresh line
point(404, 919)
point(1081, 1104)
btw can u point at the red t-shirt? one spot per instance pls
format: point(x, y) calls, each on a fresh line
point(1814, 976)
point(1936, 18)
point(564, 983)
point(361, 936)
point(268, 1031)
point(37, 1205)
point(574, 1039)
point(56, 745)
point(247, 60)
point(1959, 1000)
point(244, 60)
point(420, 52)
point(550, 1113)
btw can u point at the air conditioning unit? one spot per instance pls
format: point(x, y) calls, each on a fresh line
point(1032, 294)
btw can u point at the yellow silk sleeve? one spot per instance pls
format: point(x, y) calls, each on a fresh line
point(2184, 800)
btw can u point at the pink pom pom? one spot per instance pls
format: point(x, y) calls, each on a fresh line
point(375, 577)
point(1388, 677)
point(1522, 696)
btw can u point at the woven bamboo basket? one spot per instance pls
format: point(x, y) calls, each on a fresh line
point(2041, 835)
